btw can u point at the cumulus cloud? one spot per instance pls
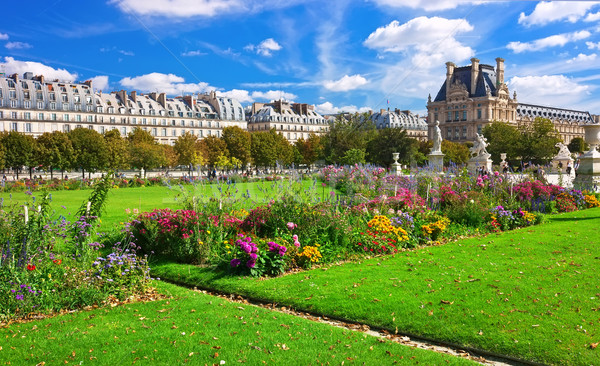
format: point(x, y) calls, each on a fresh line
point(244, 96)
point(17, 45)
point(329, 108)
point(345, 83)
point(13, 66)
point(100, 82)
point(427, 5)
point(582, 58)
point(164, 83)
point(177, 8)
point(555, 90)
point(592, 17)
point(3, 36)
point(593, 45)
point(553, 11)
point(431, 39)
point(551, 41)
point(264, 48)
point(193, 53)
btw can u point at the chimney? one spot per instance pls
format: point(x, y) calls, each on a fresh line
point(449, 73)
point(190, 100)
point(87, 82)
point(15, 77)
point(133, 95)
point(40, 78)
point(499, 71)
point(474, 74)
point(122, 94)
point(381, 111)
point(162, 100)
point(152, 96)
point(28, 75)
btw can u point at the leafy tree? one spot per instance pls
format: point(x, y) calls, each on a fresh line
point(388, 141)
point(310, 149)
point(353, 156)
point(212, 147)
point(185, 148)
point(56, 151)
point(171, 157)
point(117, 150)
point(578, 145)
point(264, 151)
point(538, 141)
point(144, 152)
point(223, 162)
point(283, 147)
point(344, 134)
point(456, 152)
point(503, 138)
point(19, 150)
point(91, 151)
point(239, 144)
point(2, 155)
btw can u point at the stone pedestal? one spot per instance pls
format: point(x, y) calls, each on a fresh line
point(560, 163)
point(396, 167)
point(436, 161)
point(588, 173)
point(480, 161)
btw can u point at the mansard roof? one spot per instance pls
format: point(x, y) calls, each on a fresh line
point(485, 80)
point(569, 115)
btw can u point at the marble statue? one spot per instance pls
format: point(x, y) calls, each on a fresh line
point(437, 138)
point(563, 151)
point(479, 147)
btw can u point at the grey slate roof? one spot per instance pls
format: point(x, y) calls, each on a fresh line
point(486, 78)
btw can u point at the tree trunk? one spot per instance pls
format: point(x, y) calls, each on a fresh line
point(30, 172)
point(51, 175)
point(17, 171)
point(83, 173)
point(62, 174)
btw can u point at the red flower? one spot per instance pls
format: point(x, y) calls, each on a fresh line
point(30, 267)
point(57, 261)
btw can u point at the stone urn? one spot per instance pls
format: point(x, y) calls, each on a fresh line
point(592, 137)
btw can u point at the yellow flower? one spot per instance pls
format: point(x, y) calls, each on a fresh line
point(208, 231)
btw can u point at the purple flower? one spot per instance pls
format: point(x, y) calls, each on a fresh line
point(251, 263)
point(253, 256)
point(235, 262)
point(19, 297)
point(282, 250)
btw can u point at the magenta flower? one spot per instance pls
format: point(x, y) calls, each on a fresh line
point(291, 225)
point(235, 262)
point(251, 263)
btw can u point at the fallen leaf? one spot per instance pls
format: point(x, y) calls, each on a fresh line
point(594, 345)
point(447, 302)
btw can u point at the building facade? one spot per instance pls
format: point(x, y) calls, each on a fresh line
point(33, 106)
point(474, 96)
point(292, 120)
point(415, 126)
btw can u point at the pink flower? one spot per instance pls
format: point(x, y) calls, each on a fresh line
point(295, 237)
point(291, 225)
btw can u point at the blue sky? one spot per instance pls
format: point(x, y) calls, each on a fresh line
point(338, 55)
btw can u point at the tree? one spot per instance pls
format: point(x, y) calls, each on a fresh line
point(171, 157)
point(353, 156)
point(578, 145)
point(212, 147)
point(144, 152)
point(56, 151)
point(239, 144)
point(455, 152)
point(185, 148)
point(264, 151)
point(2, 155)
point(90, 147)
point(19, 150)
point(283, 148)
point(388, 141)
point(310, 149)
point(116, 147)
point(538, 141)
point(502, 137)
point(347, 133)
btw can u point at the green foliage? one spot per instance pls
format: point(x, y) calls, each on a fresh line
point(116, 148)
point(55, 151)
point(578, 145)
point(538, 141)
point(239, 144)
point(344, 134)
point(353, 156)
point(144, 151)
point(19, 149)
point(185, 147)
point(264, 150)
point(212, 148)
point(91, 153)
point(388, 141)
point(310, 150)
point(502, 137)
point(455, 152)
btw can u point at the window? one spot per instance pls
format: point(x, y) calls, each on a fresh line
point(53, 105)
point(13, 103)
point(479, 128)
point(449, 117)
point(449, 133)
point(14, 126)
point(183, 132)
point(52, 96)
point(123, 131)
point(456, 115)
point(13, 115)
point(40, 105)
point(143, 121)
point(41, 116)
point(173, 132)
point(90, 118)
point(26, 95)
point(78, 118)
point(464, 115)
point(456, 132)
point(53, 116)
point(182, 123)
point(65, 117)
point(464, 132)
point(27, 127)
point(65, 98)
point(164, 132)
point(102, 130)
point(66, 128)
point(100, 109)
point(134, 120)
point(479, 114)
point(12, 94)
point(88, 108)
point(26, 115)
point(154, 132)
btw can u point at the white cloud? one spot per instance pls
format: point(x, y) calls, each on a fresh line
point(193, 53)
point(427, 5)
point(592, 17)
point(265, 48)
point(177, 8)
point(244, 96)
point(345, 83)
point(100, 82)
point(552, 11)
point(431, 40)
point(17, 45)
point(551, 41)
point(164, 83)
point(592, 45)
point(13, 66)
point(126, 53)
point(329, 108)
point(3, 36)
point(554, 90)
point(583, 58)
point(395, 37)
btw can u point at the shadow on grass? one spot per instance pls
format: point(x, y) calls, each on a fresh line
point(573, 218)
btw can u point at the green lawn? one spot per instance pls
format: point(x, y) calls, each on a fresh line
point(531, 293)
point(247, 195)
point(198, 329)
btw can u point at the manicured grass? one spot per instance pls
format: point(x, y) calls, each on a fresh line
point(148, 198)
point(199, 329)
point(531, 293)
